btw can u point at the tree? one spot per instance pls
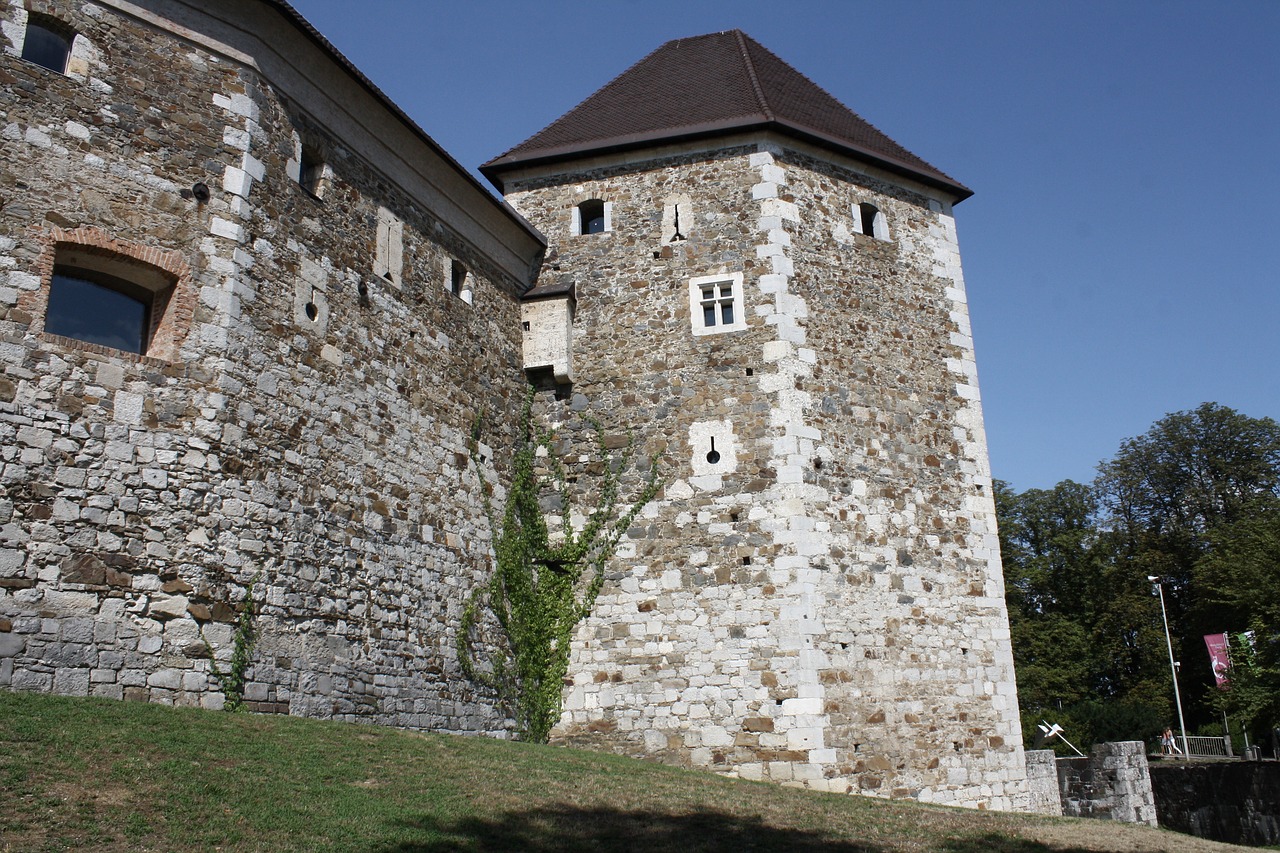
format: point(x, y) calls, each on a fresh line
point(1045, 539)
point(1196, 501)
point(1171, 496)
point(1239, 579)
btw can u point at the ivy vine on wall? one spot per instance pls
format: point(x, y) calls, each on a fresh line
point(232, 680)
point(517, 628)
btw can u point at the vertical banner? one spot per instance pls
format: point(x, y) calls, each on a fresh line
point(1217, 644)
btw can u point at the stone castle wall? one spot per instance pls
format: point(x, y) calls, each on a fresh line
point(822, 604)
point(307, 426)
point(1113, 783)
point(816, 596)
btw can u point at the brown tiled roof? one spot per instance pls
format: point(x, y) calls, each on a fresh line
point(705, 86)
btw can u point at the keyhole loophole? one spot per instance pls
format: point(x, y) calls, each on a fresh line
point(714, 456)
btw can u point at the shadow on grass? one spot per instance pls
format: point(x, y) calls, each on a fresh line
point(995, 843)
point(569, 830)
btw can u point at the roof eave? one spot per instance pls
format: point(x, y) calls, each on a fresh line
point(496, 168)
point(294, 17)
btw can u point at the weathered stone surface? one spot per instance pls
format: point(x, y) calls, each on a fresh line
point(815, 598)
point(804, 574)
point(317, 454)
point(1113, 783)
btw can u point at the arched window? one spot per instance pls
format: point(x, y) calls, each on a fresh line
point(870, 221)
point(98, 308)
point(47, 43)
point(101, 291)
point(593, 217)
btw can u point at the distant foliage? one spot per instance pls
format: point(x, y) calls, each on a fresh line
point(517, 629)
point(1196, 501)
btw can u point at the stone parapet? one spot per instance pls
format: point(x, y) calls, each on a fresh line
point(1113, 783)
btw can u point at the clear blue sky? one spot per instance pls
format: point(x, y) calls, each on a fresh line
point(1121, 251)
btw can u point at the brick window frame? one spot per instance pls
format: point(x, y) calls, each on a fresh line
point(164, 272)
point(44, 27)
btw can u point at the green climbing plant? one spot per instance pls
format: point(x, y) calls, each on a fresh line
point(517, 628)
point(233, 679)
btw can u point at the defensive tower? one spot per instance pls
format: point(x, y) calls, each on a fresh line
point(768, 290)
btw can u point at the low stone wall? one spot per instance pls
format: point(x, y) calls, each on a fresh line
point(1042, 782)
point(1113, 783)
point(1233, 801)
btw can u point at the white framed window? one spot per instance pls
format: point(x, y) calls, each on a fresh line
point(715, 304)
point(869, 219)
point(593, 216)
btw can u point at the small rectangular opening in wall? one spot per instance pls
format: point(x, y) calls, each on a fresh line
point(751, 371)
point(457, 277)
point(525, 325)
point(746, 561)
point(311, 171)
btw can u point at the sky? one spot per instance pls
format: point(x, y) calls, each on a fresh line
point(1120, 251)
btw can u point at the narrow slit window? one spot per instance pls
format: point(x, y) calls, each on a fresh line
point(458, 280)
point(388, 259)
point(311, 171)
point(457, 277)
point(47, 43)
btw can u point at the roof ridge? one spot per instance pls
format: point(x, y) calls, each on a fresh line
point(597, 91)
point(751, 74)
point(715, 84)
point(824, 91)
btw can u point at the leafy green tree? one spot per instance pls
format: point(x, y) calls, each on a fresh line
point(1196, 501)
point(1239, 580)
point(1082, 629)
point(1173, 493)
point(1045, 539)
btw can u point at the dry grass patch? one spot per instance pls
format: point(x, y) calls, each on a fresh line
point(100, 775)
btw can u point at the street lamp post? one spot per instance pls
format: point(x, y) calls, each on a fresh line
point(1173, 667)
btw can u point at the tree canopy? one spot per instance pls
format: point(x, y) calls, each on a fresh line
point(1194, 501)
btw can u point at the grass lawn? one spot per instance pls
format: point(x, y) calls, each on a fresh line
point(87, 774)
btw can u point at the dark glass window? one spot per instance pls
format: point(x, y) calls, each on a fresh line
point(591, 216)
point(714, 296)
point(106, 310)
point(46, 47)
point(708, 307)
